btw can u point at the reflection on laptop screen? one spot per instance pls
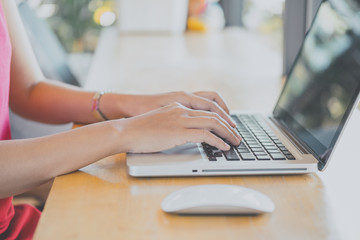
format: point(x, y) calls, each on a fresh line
point(324, 83)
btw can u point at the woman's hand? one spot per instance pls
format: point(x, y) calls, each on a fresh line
point(117, 106)
point(172, 126)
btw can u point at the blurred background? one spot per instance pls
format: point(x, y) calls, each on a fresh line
point(77, 24)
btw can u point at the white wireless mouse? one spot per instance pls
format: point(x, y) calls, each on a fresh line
point(217, 199)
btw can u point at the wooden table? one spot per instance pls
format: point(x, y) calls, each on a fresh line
point(102, 201)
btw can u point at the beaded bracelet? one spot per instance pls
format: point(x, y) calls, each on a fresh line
point(95, 109)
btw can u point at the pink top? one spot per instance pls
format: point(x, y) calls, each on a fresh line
point(5, 53)
point(17, 222)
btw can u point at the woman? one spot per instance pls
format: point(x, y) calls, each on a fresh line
point(172, 119)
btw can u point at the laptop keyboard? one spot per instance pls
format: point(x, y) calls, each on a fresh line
point(259, 143)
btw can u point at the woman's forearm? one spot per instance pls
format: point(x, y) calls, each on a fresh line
point(29, 163)
point(25, 164)
point(56, 103)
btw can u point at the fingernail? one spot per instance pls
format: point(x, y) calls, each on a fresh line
point(234, 124)
point(226, 147)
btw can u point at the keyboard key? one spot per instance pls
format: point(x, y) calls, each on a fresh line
point(274, 151)
point(290, 157)
point(231, 155)
point(257, 149)
point(267, 140)
point(208, 147)
point(243, 150)
point(242, 131)
point(268, 144)
point(277, 156)
point(208, 152)
point(246, 137)
point(247, 156)
point(286, 152)
point(270, 148)
point(242, 145)
point(246, 133)
point(260, 154)
point(254, 146)
point(218, 154)
point(212, 159)
point(262, 157)
point(262, 137)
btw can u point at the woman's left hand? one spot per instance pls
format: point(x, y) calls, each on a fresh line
point(120, 105)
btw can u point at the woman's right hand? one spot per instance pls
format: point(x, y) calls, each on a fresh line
point(174, 125)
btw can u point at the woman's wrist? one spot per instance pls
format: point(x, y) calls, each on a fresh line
point(119, 135)
point(95, 109)
point(108, 106)
point(115, 106)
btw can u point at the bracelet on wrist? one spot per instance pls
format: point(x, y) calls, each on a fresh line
point(95, 109)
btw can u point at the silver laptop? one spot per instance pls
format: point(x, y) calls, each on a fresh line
point(321, 92)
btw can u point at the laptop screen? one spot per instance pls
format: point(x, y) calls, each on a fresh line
point(324, 82)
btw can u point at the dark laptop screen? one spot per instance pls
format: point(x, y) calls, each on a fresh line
point(324, 83)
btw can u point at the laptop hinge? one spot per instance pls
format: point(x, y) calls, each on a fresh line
point(292, 139)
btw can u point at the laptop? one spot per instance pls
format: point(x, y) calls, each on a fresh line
point(318, 98)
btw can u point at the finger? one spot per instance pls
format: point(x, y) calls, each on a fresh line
point(200, 103)
point(214, 96)
point(215, 126)
point(202, 135)
point(198, 113)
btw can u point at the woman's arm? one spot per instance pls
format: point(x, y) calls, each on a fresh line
point(25, 164)
point(53, 102)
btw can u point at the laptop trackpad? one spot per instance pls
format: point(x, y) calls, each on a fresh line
point(184, 153)
point(187, 149)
